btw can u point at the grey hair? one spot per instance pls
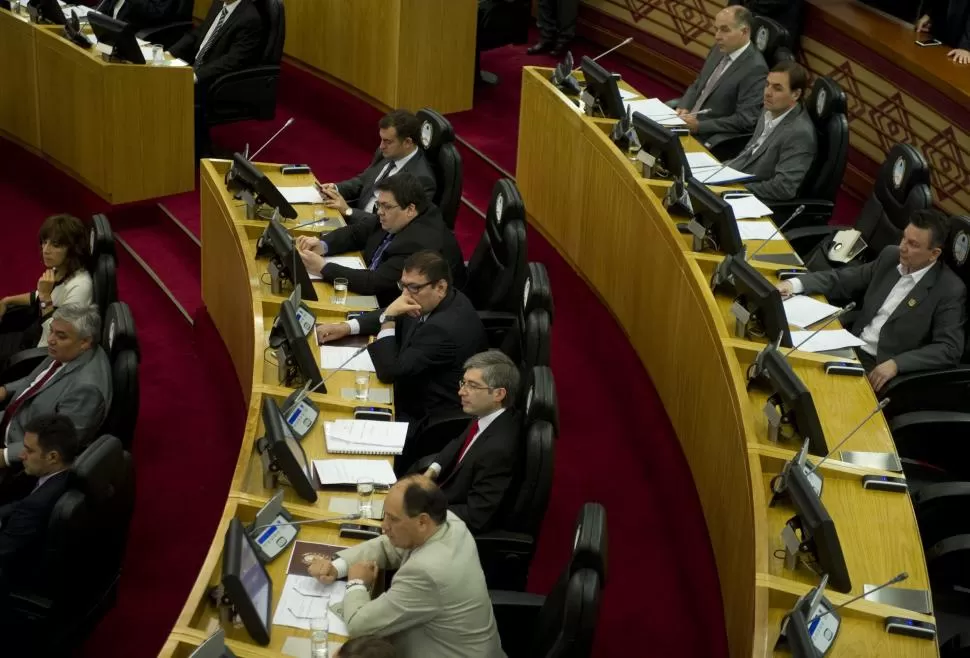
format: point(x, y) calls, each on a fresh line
point(498, 371)
point(742, 16)
point(83, 317)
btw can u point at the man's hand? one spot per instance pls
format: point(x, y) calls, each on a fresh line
point(923, 24)
point(323, 570)
point(45, 285)
point(786, 289)
point(403, 306)
point(959, 55)
point(691, 121)
point(306, 243)
point(333, 199)
point(882, 373)
point(681, 111)
point(327, 333)
point(366, 571)
point(312, 261)
point(3, 395)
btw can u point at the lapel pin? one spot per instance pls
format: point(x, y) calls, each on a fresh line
point(911, 303)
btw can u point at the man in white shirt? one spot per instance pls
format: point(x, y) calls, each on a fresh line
point(914, 307)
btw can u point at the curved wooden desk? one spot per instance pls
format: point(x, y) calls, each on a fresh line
point(239, 300)
point(610, 224)
point(124, 131)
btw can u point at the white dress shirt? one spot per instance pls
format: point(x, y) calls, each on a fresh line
point(770, 124)
point(398, 165)
point(6, 435)
point(733, 57)
point(900, 291)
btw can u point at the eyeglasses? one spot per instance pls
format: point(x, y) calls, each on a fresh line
point(413, 288)
point(474, 386)
point(384, 207)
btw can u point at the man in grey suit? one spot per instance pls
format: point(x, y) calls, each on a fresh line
point(73, 381)
point(725, 99)
point(913, 308)
point(783, 145)
point(438, 604)
point(400, 133)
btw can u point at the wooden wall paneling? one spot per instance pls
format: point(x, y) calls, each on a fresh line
point(18, 83)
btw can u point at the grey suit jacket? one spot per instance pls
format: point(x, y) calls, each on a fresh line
point(736, 99)
point(81, 391)
point(925, 332)
point(437, 605)
point(781, 163)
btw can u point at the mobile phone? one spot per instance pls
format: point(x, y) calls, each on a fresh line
point(784, 275)
point(292, 169)
point(359, 531)
point(928, 42)
point(911, 627)
point(884, 483)
point(844, 368)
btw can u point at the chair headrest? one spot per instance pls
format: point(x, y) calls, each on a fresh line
point(119, 330)
point(506, 204)
point(590, 542)
point(435, 131)
point(539, 398)
point(101, 237)
point(768, 34)
point(536, 291)
point(827, 98)
point(904, 167)
point(956, 251)
point(96, 469)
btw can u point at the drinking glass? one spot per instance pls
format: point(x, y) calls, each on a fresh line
point(319, 629)
point(158, 54)
point(319, 216)
point(362, 384)
point(340, 291)
point(365, 497)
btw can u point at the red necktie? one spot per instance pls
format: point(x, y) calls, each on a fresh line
point(15, 405)
point(472, 431)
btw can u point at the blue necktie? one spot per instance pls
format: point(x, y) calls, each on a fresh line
point(375, 260)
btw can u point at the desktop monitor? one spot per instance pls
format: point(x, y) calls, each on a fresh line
point(46, 11)
point(214, 647)
point(297, 364)
point(118, 35)
point(818, 531)
point(72, 31)
point(602, 86)
point(246, 177)
point(246, 584)
point(762, 300)
point(286, 453)
point(287, 261)
point(795, 399)
point(661, 146)
point(716, 216)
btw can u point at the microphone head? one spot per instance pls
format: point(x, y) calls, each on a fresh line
point(900, 578)
point(848, 307)
point(628, 40)
point(289, 122)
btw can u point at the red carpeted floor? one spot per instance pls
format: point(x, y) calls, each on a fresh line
point(616, 444)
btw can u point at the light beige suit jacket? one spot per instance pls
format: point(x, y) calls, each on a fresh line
point(437, 605)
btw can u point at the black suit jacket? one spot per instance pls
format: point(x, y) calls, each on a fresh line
point(476, 487)
point(142, 13)
point(949, 21)
point(23, 527)
point(237, 45)
point(359, 190)
point(425, 360)
point(426, 231)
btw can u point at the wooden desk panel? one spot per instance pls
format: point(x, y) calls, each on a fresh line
point(18, 84)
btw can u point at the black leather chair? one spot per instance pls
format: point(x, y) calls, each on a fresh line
point(772, 39)
point(59, 605)
point(497, 267)
point(507, 330)
point(101, 238)
point(167, 35)
point(538, 400)
point(902, 186)
point(957, 646)
point(563, 624)
point(438, 142)
point(120, 342)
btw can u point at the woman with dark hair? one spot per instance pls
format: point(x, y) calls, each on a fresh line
point(25, 318)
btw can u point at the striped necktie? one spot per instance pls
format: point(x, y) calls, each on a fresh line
point(375, 260)
point(223, 15)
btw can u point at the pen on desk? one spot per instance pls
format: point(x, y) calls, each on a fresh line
point(696, 114)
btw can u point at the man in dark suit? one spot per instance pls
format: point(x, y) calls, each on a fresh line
point(476, 469)
point(725, 99)
point(423, 338)
point(142, 13)
point(557, 26)
point(400, 133)
point(406, 222)
point(229, 39)
point(49, 448)
point(913, 308)
point(783, 146)
point(948, 21)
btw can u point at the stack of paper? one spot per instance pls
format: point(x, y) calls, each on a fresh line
point(719, 175)
point(803, 311)
point(748, 206)
point(655, 109)
point(305, 598)
point(302, 194)
point(365, 437)
point(349, 471)
point(627, 95)
point(758, 231)
point(701, 160)
point(350, 262)
point(825, 340)
point(333, 358)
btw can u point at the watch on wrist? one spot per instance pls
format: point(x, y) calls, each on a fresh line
point(348, 212)
point(387, 318)
point(356, 581)
point(44, 305)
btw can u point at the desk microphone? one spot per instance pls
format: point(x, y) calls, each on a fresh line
point(848, 307)
point(798, 211)
point(289, 122)
point(302, 395)
point(879, 407)
point(345, 517)
point(601, 55)
point(897, 579)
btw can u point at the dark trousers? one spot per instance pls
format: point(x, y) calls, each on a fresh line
point(19, 330)
point(557, 20)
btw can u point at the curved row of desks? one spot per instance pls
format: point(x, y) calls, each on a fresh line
point(610, 223)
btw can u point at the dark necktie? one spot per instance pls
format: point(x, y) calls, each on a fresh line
point(375, 260)
point(387, 172)
point(472, 431)
point(207, 46)
point(15, 405)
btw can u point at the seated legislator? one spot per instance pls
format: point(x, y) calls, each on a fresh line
point(725, 99)
point(423, 339)
point(367, 646)
point(229, 39)
point(437, 605)
point(400, 133)
point(73, 381)
point(406, 222)
point(783, 146)
point(25, 318)
point(948, 21)
point(787, 13)
point(913, 306)
point(476, 469)
point(49, 447)
point(141, 14)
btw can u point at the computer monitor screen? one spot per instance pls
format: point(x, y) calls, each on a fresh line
point(763, 301)
point(246, 583)
point(118, 35)
point(46, 11)
point(818, 531)
point(246, 176)
point(287, 258)
point(716, 215)
point(296, 350)
point(664, 146)
point(287, 452)
point(796, 399)
point(214, 647)
point(601, 85)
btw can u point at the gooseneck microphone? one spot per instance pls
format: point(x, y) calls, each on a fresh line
point(879, 407)
point(332, 519)
point(798, 211)
point(289, 122)
point(848, 307)
point(601, 55)
point(897, 579)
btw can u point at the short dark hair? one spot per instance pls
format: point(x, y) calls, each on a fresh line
point(937, 223)
point(797, 75)
point(422, 496)
point(742, 16)
point(368, 646)
point(431, 264)
point(406, 189)
point(55, 433)
point(67, 231)
point(405, 124)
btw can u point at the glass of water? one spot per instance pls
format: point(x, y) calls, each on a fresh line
point(340, 291)
point(319, 629)
point(158, 54)
point(365, 497)
point(319, 217)
point(362, 384)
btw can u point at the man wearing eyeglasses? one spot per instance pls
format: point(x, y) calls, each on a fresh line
point(406, 222)
point(423, 338)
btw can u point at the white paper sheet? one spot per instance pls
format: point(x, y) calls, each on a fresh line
point(701, 160)
point(368, 432)
point(627, 95)
point(758, 231)
point(750, 207)
point(333, 357)
point(353, 262)
point(302, 194)
point(720, 175)
point(825, 340)
point(654, 108)
point(301, 598)
point(803, 311)
point(349, 471)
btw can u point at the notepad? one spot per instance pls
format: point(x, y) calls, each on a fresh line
point(701, 160)
point(654, 108)
point(749, 207)
point(302, 194)
point(349, 471)
point(352, 262)
point(333, 358)
point(758, 231)
point(364, 437)
point(825, 340)
point(803, 311)
point(720, 175)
